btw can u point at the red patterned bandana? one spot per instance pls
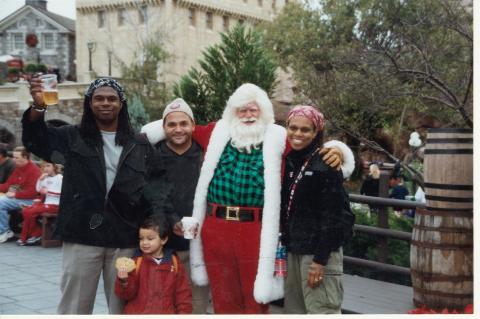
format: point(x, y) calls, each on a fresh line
point(309, 112)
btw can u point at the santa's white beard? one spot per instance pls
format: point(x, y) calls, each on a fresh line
point(244, 137)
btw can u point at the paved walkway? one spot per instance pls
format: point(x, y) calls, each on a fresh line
point(30, 281)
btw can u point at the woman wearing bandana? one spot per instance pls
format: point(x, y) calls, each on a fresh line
point(315, 219)
point(104, 175)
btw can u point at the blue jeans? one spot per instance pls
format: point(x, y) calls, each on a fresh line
point(7, 205)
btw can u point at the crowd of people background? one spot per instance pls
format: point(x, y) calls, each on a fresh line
point(253, 186)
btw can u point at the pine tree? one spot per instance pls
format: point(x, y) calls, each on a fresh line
point(136, 111)
point(238, 59)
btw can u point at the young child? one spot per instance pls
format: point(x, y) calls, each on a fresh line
point(159, 283)
point(49, 185)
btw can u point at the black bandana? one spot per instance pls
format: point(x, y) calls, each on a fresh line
point(106, 82)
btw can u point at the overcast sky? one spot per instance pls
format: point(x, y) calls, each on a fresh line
point(62, 7)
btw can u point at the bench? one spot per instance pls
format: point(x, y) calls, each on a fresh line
point(368, 296)
point(47, 221)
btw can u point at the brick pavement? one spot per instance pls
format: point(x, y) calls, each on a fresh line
point(30, 281)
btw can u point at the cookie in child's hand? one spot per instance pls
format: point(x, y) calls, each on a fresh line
point(125, 262)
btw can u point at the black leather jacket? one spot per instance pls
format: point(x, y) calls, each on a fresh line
point(87, 214)
point(314, 225)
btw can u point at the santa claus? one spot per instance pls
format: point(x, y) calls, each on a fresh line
point(237, 202)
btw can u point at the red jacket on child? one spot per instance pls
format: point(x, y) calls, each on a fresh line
point(25, 178)
point(156, 288)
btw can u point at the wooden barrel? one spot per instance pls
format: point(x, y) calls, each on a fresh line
point(441, 251)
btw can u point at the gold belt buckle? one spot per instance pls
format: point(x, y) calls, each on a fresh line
point(233, 213)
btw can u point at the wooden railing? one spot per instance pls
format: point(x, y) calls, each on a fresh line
point(382, 231)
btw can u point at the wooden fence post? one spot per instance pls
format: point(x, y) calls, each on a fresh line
point(382, 247)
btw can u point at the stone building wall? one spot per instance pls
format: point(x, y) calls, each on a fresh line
point(29, 20)
point(15, 99)
point(165, 20)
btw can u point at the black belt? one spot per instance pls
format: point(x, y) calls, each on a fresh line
point(234, 213)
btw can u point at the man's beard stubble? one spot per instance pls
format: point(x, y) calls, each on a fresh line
point(245, 137)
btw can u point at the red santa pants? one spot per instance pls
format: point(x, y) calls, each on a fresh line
point(231, 255)
point(30, 227)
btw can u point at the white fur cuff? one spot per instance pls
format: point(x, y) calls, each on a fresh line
point(348, 159)
point(155, 132)
point(267, 288)
point(197, 265)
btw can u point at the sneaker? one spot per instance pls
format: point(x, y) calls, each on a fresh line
point(33, 240)
point(20, 242)
point(6, 236)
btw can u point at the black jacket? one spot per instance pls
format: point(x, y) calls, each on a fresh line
point(171, 187)
point(316, 224)
point(87, 214)
point(370, 186)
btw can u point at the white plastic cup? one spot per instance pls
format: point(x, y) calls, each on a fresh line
point(189, 225)
point(49, 89)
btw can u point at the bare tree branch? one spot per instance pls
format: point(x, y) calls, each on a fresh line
point(431, 79)
point(469, 87)
point(454, 25)
point(433, 98)
point(416, 175)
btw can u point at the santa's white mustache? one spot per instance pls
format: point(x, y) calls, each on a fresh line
point(249, 119)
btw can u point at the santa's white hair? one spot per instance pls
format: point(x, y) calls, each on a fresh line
point(245, 137)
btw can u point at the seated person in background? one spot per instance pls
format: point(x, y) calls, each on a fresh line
point(156, 282)
point(19, 189)
point(7, 165)
point(49, 185)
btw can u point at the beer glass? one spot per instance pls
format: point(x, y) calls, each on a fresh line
point(49, 89)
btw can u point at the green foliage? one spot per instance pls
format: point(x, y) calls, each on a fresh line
point(141, 78)
point(239, 58)
point(136, 111)
point(14, 71)
point(365, 62)
point(42, 68)
point(365, 245)
point(31, 68)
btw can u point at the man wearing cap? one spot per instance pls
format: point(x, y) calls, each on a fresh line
point(105, 172)
point(171, 186)
point(237, 202)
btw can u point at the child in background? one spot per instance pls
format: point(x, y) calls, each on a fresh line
point(158, 284)
point(49, 185)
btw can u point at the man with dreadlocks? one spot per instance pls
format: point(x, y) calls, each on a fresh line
point(105, 170)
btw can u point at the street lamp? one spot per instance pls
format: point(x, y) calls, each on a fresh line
point(91, 48)
point(109, 52)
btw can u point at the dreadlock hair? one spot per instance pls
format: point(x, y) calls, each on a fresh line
point(89, 129)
